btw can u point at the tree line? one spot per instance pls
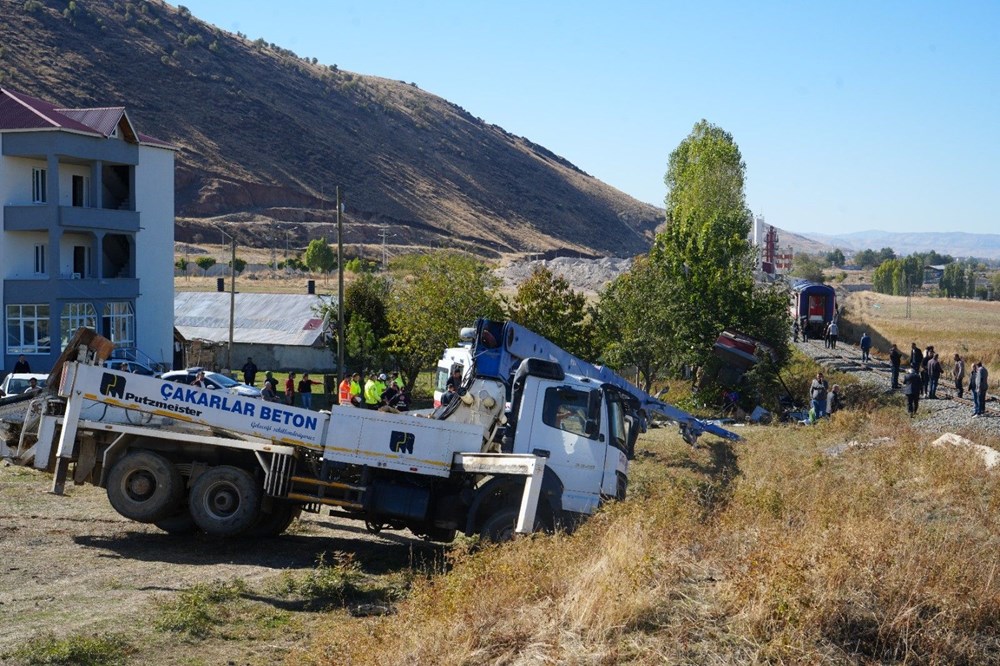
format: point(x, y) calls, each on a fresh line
point(659, 320)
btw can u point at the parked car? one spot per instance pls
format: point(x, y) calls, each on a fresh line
point(213, 381)
point(19, 382)
point(130, 366)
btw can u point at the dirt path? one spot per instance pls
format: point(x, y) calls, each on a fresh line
point(71, 564)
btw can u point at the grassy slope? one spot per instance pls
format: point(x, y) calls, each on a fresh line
point(767, 551)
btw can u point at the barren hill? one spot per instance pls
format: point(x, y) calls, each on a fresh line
point(265, 137)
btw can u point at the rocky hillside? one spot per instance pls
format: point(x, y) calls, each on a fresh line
point(265, 137)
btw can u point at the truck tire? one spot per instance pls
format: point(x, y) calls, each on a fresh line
point(145, 487)
point(276, 522)
point(499, 527)
point(179, 523)
point(225, 501)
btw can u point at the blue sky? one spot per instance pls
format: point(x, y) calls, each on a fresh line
point(850, 115)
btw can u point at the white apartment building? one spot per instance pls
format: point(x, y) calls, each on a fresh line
point(88, 231)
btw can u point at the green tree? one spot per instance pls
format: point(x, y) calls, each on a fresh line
point(361, 346)
point(835, 257)
point(319, 258)
point(204, 263)
point(547, 305)
point(701, 264)
point(705, 175)
point(181, 265)
point(886, 253)
point(807, 267)
point(633, 323)
point(365, 298)
point(867, 259)
point(446, 292)
point(238, 265)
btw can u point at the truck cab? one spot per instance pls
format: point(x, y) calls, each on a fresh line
point(579, 426)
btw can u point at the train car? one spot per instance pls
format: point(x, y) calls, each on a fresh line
point(815, 304)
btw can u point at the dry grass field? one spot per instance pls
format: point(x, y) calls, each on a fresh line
point(970, 328)
point(790, 546)
point(769, 551)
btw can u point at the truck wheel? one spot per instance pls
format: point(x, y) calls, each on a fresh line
point(274, 523)
point(225, 501)
point(179, 523)
point(145, 487)
point(500, 526)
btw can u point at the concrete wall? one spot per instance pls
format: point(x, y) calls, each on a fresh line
point(154, 197)
point(273, 357)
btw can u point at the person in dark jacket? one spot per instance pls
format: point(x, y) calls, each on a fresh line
point(916, 357)
point(895, 357)
point(866, 346)
point(21, 365)
point(911, 389)
point(933, 375)
point(249, 372)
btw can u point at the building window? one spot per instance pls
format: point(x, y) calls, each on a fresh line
point(119, 323)
point(39, 186)
point(75, 315)
point(40, 259)
point(28, 329)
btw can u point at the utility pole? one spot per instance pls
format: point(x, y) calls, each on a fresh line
point(384, 233)
point(340, 290)
point(232, 304)
point(907, 278)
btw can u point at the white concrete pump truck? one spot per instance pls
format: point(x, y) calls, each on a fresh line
point(536, 439)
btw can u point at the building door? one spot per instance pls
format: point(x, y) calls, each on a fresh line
point(81, 261)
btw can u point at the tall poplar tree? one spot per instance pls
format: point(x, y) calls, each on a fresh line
point(702, 261)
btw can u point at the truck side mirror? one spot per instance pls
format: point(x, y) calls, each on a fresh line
point(591, 428)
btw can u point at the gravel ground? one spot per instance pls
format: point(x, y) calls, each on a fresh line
point(587, 275)
point(946, 414)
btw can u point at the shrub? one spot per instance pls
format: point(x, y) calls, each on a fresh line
point(75, 650)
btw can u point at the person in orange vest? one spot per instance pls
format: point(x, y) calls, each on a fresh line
point(350, 389)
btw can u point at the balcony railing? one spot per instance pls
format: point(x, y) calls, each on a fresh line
point(39, 217)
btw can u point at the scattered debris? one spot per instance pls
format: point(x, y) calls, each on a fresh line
point(838, 450)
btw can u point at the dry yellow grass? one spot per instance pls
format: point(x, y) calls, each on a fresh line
point(767, 551)
point(969, 328)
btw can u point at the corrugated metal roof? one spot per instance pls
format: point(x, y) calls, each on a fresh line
point(18, 111)
point(103, 120)
point(23, 112)
point(281, 319)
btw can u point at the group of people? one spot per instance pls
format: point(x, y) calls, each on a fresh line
point(824, 400)
point(830, 334)
point(924, 374)
point(295, 393)
point(380, 391)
